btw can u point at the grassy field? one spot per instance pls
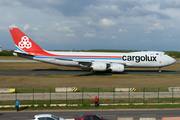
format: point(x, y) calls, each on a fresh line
point(90, 81)
point(88, 107)
point(91, 101)
point(11, 58)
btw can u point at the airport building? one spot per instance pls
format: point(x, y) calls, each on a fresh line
point(0, 48)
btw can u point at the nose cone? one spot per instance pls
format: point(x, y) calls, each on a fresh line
point(172, 60)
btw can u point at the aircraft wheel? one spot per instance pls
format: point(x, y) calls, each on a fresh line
point(159, 70)
point(91, 70)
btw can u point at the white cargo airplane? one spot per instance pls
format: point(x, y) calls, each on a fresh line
point(95, 61)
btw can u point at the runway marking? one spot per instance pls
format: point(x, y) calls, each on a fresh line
point(67, 116)
point(148, 114)
point(107, 115)
point(21, 117)
point(33, 74)
point(171, 118)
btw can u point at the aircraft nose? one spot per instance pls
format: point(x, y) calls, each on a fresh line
point(172, 60)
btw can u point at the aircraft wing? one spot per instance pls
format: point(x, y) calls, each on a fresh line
point(89, 62)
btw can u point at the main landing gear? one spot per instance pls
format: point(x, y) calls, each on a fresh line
point(91, 70)
point(159, 70)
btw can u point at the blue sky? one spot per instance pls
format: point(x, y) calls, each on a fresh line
point(93, 24)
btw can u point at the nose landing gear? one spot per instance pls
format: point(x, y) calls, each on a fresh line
point(159, 70)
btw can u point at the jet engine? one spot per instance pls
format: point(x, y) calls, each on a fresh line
point(117, 67)
point(98, 66)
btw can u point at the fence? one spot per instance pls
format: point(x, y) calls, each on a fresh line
point(86, 96)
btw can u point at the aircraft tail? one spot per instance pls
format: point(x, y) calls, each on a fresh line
point(24, 44)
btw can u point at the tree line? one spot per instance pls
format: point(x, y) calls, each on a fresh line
point(6, 53)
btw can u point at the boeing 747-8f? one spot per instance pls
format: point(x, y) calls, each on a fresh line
point(95, 61)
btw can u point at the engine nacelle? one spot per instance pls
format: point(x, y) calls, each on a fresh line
point(117, 67)
point(99, 66)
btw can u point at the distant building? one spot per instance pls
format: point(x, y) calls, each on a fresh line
point(0, 48)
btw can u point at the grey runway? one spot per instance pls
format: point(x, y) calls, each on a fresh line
point(41, 72)
point(111, 114)
point(44, 72)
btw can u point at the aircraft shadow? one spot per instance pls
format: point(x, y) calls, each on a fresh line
point(82, 72)
point(148, 71)
point(107, 73)
point(54, 69)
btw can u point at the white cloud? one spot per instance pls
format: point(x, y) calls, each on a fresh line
point(89, 35)
point(56, 23)
point(147, 32)
point(28, 27)
point(3, 28)
point(89, 22)
point(121, 30)
point(10, 3)
point(169, 35)
point(156, 27)
point(125, 30)
point(172, 25)
point(35, 28)
point(65, 29)
point(71, 35)
point(113, 37)
point(107, 22)
point(13, 25)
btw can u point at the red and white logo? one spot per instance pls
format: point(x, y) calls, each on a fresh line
point(24, 43)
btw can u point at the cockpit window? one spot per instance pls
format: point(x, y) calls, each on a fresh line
point(165, 54)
